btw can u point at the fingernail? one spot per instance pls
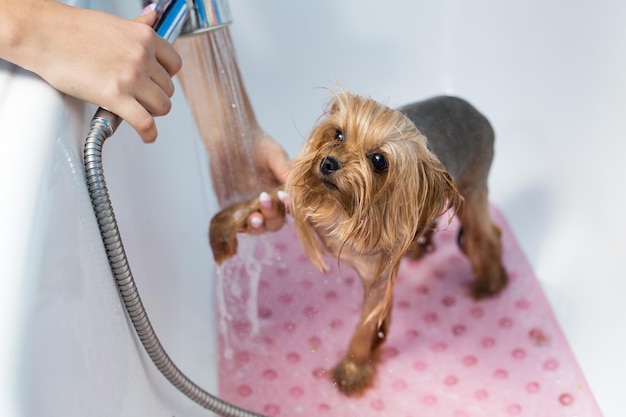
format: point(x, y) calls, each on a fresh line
point(282, 196)
point(265, 200)
point(256, 222)
point(148, 9)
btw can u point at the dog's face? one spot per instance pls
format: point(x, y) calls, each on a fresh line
point(366, 179)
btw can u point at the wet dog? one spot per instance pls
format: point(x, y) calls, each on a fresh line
point(368, 187)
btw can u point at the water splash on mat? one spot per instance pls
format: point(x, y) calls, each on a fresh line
point(238, 291)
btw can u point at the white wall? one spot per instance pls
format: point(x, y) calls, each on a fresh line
point(550, 77)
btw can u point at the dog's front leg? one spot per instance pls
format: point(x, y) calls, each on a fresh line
point(232, 220)
point(356, 370)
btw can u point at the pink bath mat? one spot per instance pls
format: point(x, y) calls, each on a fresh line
point(283, 325)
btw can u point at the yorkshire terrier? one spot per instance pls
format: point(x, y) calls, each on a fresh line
point(368, 187)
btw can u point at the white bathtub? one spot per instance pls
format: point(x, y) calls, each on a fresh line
point(548, 75)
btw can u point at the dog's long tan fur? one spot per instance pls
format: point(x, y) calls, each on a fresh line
point(364, 187)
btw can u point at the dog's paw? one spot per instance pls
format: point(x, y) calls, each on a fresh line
point(353, 379)
point(489, 286)
point(419, 248)
point(234, 219)
point(223, 236)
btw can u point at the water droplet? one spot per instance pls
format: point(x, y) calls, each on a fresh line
point(489, 342)
point(566, 399)
point(431, 318)
point(519, 353)
point(323, 408)
point(269, 374)
point(532, 387)
point(271, 409)
point(422, 289)
point(439, 346)
point(310, 312)
point(265, 312)
point(315, 342)
point(448, 301)
point(399, 385)
point(470, 360)
point(481, 394)
point(429, 400)
point(331, 295)
point(501, 374)
point(419, 366)
point(506, 323)
point(439, 274)
point(477, 312)
point(514, 409)
point(319, 373)
point(336, 324)
point(377, 405)
point(412, 334)
point(244, 390)
point(458, 329)
point(538, 337)
point(289, 326)
point(242, 356)
point(551, 365)
point(389, 352)
point(293, 357)
point(307, 284)
point(285, 298)
point(296, 392)
point(451, 380)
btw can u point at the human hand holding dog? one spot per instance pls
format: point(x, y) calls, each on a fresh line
point(272, 160)
point(269, 210)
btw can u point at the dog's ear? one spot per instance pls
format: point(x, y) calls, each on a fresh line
point(438, 192)
point(310, 240)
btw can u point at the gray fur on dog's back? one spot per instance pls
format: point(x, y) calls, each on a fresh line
point(460, 136)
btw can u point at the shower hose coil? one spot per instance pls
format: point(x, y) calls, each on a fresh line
point(101, 128)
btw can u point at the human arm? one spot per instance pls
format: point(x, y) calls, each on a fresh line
point(121, 65)
point(243, 159)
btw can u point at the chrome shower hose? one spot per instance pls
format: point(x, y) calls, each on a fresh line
point(103, 126)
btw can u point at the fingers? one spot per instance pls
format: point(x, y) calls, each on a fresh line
point(148, 15)
point(272, 213)
point(153, 92)
point(136, 115)
point(167, 56)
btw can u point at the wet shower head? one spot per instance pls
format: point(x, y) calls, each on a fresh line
point(189, 17)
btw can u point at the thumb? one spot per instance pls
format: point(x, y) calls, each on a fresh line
point(148, 15)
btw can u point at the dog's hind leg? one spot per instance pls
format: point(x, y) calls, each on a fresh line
point(481, 244)
point(423, 243)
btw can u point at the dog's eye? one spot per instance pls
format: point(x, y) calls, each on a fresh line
point(338, 135)
point(378, 162)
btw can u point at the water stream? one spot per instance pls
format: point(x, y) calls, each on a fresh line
point(230, 132)
point(215, 91)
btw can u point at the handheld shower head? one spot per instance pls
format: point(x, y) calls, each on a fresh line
point(176, 18)
point(190, 17)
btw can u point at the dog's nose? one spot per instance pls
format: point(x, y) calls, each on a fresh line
point(329, 165)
